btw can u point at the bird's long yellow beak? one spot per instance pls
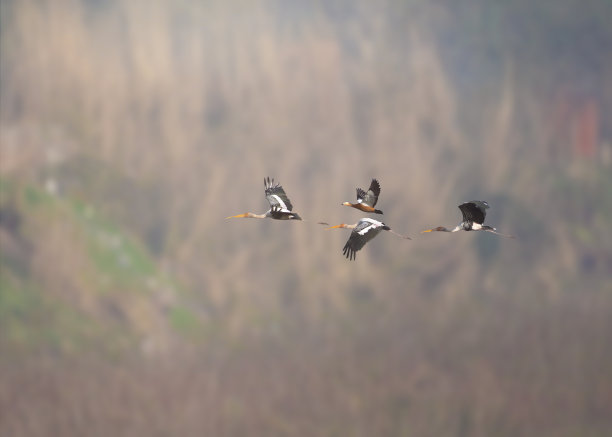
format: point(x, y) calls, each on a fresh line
point(428, 230)
point(334, 227)
point(237, 216)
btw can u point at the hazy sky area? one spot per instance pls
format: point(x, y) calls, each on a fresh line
point(130, 305)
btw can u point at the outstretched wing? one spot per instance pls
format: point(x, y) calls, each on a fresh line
point(371, 196)
point(365, 230)
point(474, 211)
point(276, 195)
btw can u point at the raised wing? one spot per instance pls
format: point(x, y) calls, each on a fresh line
point(474, 211)
point(371, 196)
point(365, 230)
point(276, 195)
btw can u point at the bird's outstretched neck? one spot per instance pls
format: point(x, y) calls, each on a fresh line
point(438, 229)
point(247, 215)
point(342, 225)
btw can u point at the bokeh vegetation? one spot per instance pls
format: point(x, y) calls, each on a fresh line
point(129, 130)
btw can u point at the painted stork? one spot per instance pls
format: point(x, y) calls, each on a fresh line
point(367, 200)
point(363, 231)
point(474, 213)
point(280, 205)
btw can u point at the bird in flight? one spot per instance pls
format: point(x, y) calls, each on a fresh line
point(367, 200)
point(280, 205)
point(474, 213)
point(363, 231)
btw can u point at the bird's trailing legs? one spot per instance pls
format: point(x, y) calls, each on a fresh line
point(406, 237)
point(494, 231)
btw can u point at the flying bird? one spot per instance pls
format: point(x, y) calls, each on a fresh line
point(280, 205)
point(367, 200)
point(474, 213)
point(363, 231)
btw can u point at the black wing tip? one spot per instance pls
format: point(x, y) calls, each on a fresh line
point(375, 186)
point(477, 203)
point(269, 183)
point(349, 253)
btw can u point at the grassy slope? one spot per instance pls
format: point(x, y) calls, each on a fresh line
point(72, 280)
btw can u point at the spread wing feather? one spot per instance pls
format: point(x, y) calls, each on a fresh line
point(276, 195)
point(371, 196)
point(363, 232)
point(360, 195)
point(474, 211)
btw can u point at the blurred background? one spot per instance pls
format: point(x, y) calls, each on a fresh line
point(130, 130)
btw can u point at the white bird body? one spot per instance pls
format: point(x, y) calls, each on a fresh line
point(363, 231)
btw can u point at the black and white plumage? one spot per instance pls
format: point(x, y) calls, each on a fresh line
point(280, 205)
point(366, 200)
point(363, 231)
point(277, 198)
point(474, 213)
